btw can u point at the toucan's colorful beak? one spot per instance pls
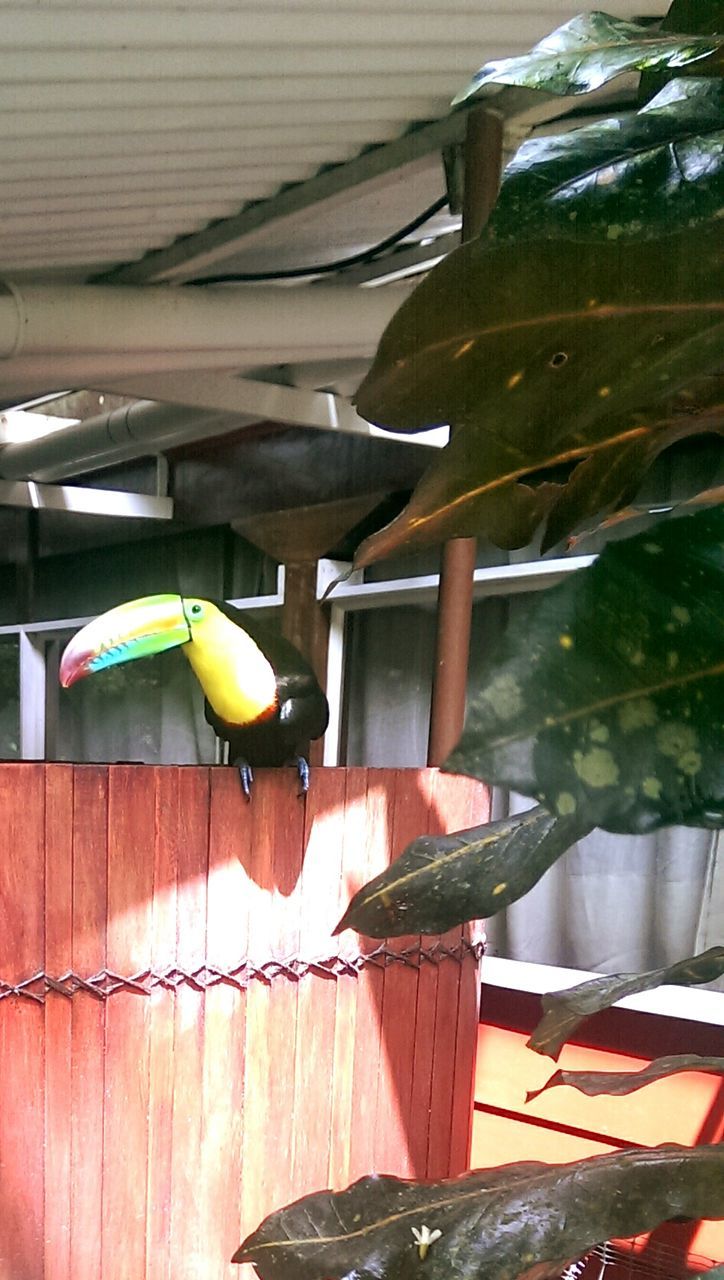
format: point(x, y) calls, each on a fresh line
point(133, 630)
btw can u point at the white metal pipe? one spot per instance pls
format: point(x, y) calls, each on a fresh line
point(133, 431)
point(32, 375)
point(243, 321)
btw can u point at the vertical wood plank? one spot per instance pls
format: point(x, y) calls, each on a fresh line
point(399, 1003)
point(345, 1026)
point(161, 1027)
point(22, 949)
point(131, 852)
point(90, 832)
point(368, 1061)
point(58, 1018)
point(427, 984)
point(466, 1039)
point(317, 902)
point(452, 801)
point(219, 1174)
point(188, 1247)
point(277, 834)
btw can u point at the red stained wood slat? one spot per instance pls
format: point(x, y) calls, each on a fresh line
point(478, 811)
point(409, 817)
point(22, 947)
point(368, 1060)
point(421, 1086)
point(257, 1174)
point(352, 837)
point(277, 846)
point(58, 1019)
point(317, 901)
point(131, 857)
point(219, 1174)
point(452, 801)
point(161, 1027)
point(90, 834)
point(188, 1246)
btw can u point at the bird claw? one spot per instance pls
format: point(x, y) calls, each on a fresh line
point(246, 773)
point(303, 771)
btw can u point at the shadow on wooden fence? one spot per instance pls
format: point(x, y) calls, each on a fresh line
point(147, 1125)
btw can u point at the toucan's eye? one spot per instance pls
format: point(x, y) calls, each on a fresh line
point(196, 610)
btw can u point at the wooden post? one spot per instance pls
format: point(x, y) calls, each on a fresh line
point(483, 152)
point(306, 624)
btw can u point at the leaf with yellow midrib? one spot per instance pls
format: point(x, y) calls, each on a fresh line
point(501, 1223)
point(442, 881)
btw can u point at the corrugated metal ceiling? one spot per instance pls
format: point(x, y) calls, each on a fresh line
point(125, 127)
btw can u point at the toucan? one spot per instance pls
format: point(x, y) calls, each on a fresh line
point(262, 697)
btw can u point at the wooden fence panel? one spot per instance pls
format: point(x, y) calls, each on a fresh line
point(22, 1057)
point(196, 1049)
point(58, 1017)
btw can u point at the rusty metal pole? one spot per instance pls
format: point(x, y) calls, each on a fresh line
point(482, 164)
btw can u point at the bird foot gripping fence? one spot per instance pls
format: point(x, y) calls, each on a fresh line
point(184, 1044)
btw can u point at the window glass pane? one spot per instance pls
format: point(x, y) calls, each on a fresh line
point(149, 711)
point(9, 698)
point(389, 661)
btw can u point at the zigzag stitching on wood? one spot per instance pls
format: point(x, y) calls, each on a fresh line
point(106, 983)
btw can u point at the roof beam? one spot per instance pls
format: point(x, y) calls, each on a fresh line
point(203, 250)
point(89, 502)
point(264, 401)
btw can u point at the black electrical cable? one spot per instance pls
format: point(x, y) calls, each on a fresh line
point(325, 268)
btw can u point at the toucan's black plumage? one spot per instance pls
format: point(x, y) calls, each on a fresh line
point(280, 735)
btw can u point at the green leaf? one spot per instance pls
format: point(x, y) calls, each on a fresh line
point(442, 881)
point(618, 1084)
point(544, 355)
point(521, 1220)
point(651, 173)
point(564, 1011)
point(637, 518)
point(590, 50)
point(607, 700)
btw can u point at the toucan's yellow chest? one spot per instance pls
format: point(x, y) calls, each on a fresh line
point(237, 679)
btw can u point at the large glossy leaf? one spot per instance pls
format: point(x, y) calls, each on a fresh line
point(441, 881)
point(632, 520)
point(564, 1011)
point(589, 51)
point(520, 1220)
point(606, 700)
point(617, 1084)
point(546, 355)
point(653, 172)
